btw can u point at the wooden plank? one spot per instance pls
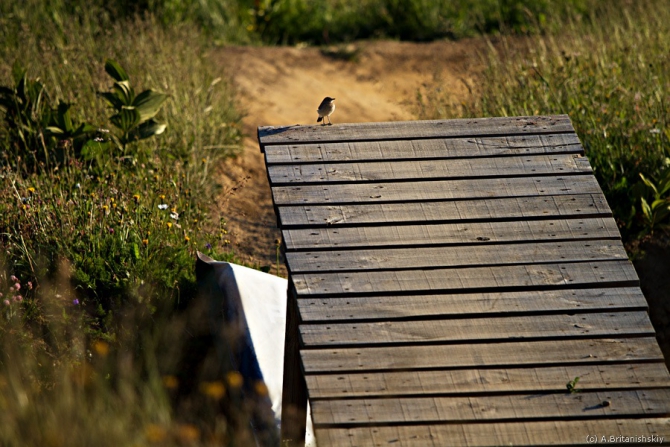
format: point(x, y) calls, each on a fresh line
point(473, 381)
point(402, 130)
point(545, 207)
point(463, 304)
point(471, 168)
point(435, 190)
point(458, 256)
point(535, 275)
point(639, 403)
point(535, 353)
point(613, 432)
point(455, 233)
point(613, 324)
point(423, 149)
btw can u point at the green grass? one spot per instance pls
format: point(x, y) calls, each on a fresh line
point(93, 340)
point(611, 75)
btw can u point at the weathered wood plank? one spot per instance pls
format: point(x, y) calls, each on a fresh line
point(422, 149)
point(455, 233)
point(458, 256)
point(411, 281)
point(547, 207)
point(531, 165)
point(473, 381)
point(435, 190)
point(535, 353)
point(613, 432)
point(613, 324)
point(394, 307)
point(639, 403)
point(402, 130)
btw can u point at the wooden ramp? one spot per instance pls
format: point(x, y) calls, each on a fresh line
point(450, 281)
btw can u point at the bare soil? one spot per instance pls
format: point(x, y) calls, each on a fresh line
point(371, 81)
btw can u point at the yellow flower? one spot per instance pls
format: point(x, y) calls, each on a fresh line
point(188, 433)
point(31, 190)
point(186, 238)
point(169, 224)
point(162, 197)
point(170, 382)
point(113, 205)
point(136, 197)
point(235, 379)
point(101, 348)
point(105, 207)
point(215, 390)
point(93, 195)
point(155, 433)
point(204, 160)
point(145, 242)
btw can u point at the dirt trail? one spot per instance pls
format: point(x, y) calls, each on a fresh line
point(280, 85)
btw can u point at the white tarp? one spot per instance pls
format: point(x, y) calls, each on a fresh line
point(263, 298)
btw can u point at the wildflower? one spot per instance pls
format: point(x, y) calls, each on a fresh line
point(6, 302)
point(17, 286)
point(204, 160)
point(78, 186)
point(30, 285)
point(215, 390)
point(145, 242)
point(101, 348)
point(105, 207)
point(31, 190)
point(174, 215)
point(162, 206)
point(155, 433)
point(186, 238)
point(136, 197)
point(169, 224)
point(75, 302)
point(111, 230)
point(170, 382)
point(17, 298)
point(234, 379)
point(14, 278)
point(93, 195)
point(208, 246)
point(162, 197)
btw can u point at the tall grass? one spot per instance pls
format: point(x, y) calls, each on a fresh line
point(611, 75)
point(97, 252)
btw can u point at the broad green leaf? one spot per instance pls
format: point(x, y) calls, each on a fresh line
point(148, 103)
point(63, 118)
point(646, 210)
point(126, 119)
point(124, 92)
point(116, 71)
point(148, 129)
point(112, 99)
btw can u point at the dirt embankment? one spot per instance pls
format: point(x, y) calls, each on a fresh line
point(371, 81)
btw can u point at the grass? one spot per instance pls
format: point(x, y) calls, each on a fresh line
point(610, 74)
point(97, 248)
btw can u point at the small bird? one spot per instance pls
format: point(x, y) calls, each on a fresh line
point(326, 108)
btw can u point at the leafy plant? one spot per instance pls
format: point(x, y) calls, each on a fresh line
point(659, 209)
point(572, 385)
point(135, 114)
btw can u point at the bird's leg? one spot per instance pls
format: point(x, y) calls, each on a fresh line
point(330, 123)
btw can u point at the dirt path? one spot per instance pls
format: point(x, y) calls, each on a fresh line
point(371, 81)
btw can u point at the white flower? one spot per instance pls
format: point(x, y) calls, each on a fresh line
point(162, 206)
point(655, 131)
point(175, 216)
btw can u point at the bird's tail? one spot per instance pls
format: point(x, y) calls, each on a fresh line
point(320, 119)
